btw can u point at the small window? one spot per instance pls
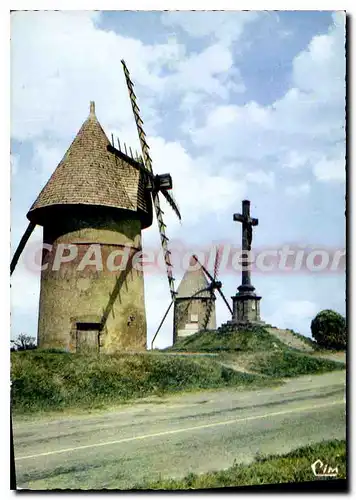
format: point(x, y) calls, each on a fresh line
point(194, 318)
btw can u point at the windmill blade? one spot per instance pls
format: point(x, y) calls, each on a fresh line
point(164, 243)
point(208, 310)
point(148, 164)
point(213, 281)
point(136, 111)
point(217, 262)
point(226, 302)
point(161, 323)
point(169, 197)
point(21, 246)
point(204, 268)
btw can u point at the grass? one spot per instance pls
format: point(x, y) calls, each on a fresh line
point(50, 381)
point(55, 381)
point(251, 339)
point(289, 468)
point(258, 350)
point(307, 340)
point(291, 363)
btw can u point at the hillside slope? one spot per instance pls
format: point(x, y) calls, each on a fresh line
point(291, 339)
point(43, 381)
point(262, 350)
point(253, 338)
point(52, 381)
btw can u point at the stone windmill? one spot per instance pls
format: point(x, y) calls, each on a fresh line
point(194, 302)
point(97, 201)
point(194, 306)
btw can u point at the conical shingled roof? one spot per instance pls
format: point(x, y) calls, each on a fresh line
point(89, 174)
point(192, 282)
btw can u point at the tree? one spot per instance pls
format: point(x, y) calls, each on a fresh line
point(23, 343)
point(328, 328)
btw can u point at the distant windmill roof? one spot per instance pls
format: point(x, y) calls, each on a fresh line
point(89, 174)
point(192, 282)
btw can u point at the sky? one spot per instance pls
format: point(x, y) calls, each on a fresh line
point(235, 105)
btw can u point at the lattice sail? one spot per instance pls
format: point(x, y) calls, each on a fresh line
point(209, 310)
point(148, 165)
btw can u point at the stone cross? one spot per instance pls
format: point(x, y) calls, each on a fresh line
point(247, 224)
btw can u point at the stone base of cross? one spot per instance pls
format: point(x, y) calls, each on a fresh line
point(246, 308)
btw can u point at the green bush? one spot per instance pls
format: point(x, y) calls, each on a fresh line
point(328, 328)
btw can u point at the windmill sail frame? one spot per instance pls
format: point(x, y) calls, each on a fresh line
point(148, 165)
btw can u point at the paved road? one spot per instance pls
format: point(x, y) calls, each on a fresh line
point(187, 433)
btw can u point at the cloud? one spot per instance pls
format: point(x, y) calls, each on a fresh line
point(28, 282)
point(262, 178)
point(201, 71)
point(226, 27)
point(195, 182)
point(304, 128)
point(298, 190)
point(14, 162)
point(51, 97)
point(300, 308)
point(157, 300)
point(45, 160)
point(330, 169)
point(293, 314)
point(324, 61)
point(295, 159)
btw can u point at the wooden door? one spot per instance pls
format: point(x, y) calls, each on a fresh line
point(87, 337)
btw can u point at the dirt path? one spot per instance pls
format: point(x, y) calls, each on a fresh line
point(289, 339)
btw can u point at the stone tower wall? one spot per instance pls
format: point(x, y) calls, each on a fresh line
point(184, 308)
point(70, 296)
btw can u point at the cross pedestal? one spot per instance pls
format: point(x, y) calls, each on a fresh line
point(246, 308)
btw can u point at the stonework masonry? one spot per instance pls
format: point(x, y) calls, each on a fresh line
point(70, 298)
point(189, 314)
point(92, 197)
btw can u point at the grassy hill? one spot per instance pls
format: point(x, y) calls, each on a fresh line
point(56, 381)
point(259, 350)
point(43, 381)
point(256, 338)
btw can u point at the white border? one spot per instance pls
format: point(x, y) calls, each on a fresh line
point(331, 5)
point(5, 122)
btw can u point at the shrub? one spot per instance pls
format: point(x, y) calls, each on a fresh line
point(328, 328)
